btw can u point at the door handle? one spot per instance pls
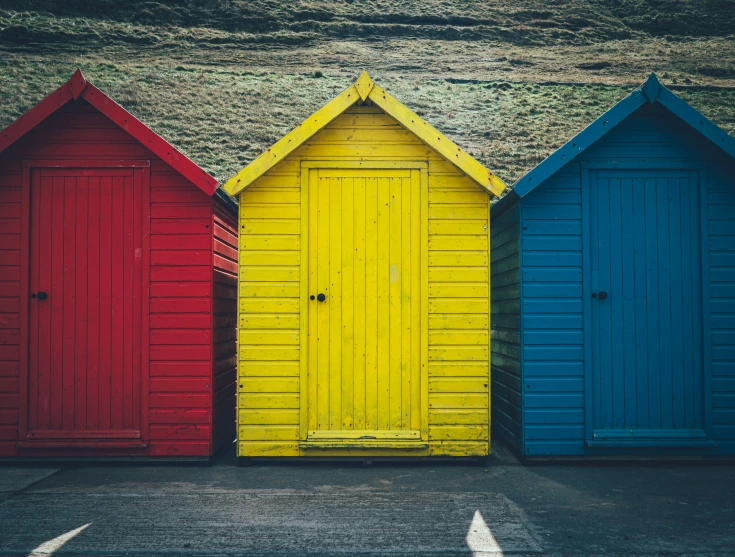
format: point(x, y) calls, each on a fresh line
point(602, 295)
point(321, 297)
point(40, 296)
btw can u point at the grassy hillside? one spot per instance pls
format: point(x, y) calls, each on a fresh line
point(511, 82)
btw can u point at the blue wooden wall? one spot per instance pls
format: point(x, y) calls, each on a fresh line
point(552, 379)
point(721, 227)
point(505, 296)
point(551, 262)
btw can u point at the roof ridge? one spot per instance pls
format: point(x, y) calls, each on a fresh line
point(364, 88)
point(651, 91)
point(79, 87)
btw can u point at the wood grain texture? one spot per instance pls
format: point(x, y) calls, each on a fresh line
point(94, 257)
point(375, 247)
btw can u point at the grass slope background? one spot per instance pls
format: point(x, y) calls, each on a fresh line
point(509, 80)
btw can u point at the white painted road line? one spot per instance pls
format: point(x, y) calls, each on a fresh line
point(51, 546)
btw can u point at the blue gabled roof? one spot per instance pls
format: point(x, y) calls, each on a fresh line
point(651, 91)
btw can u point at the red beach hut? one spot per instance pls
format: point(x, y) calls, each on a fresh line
point(118, 280)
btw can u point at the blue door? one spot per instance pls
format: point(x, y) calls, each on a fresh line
point(645, 309)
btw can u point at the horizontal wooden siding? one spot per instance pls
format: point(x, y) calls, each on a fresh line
point(506, 325)
point(270, 267)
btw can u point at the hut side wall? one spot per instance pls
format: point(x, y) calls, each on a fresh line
point(270, 241)
point(180, 385)
point(552, 304)
point(505, 321)
point(10, 213)
point(721, 228)
point(224, 326)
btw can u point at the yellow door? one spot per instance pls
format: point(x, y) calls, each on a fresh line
point(364, 321)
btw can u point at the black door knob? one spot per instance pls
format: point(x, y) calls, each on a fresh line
point(312, 297)
point(42, 295)
point(602, 295)
point(321, 297)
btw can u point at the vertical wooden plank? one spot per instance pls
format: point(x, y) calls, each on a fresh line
point(605, 283)
point(383, 406)
point(628, 332)
point(136, 325)
point(615, 302)
point(652, 296)
point(689, 325)
point(93, 304)
point(117, 247)
point(701, 344)
point(56, 297)
point(488, 234)
point(689, 196)
point(70, 265)
point(415, 361)
point(346, 296)
point(641, 330)
point(664, 298)
point(308, 276)
point(24, 317)
point(424, 177)
point(371, 303)
point(395, 305)
point(81, 293)
point(678, 395)
point(323, 256)
point(406, 329)
point(46, 278)
point(595, 308)
point(127, 302)
point(145, 231)
point(104, 387)
point(590, 316)
point(359, 303)
point(35, 373)
point(334, 303)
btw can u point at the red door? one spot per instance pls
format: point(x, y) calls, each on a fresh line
point(85, 301)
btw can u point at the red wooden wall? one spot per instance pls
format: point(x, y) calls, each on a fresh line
point(189, 392)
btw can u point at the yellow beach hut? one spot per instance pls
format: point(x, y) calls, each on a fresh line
point(364, 288)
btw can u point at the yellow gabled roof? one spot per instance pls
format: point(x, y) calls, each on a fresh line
point(364, 88)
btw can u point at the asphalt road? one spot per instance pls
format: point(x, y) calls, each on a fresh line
point(328, 509)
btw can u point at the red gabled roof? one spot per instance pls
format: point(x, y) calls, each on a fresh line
point(77, 87)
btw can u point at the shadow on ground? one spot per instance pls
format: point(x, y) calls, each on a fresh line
point(388, 509)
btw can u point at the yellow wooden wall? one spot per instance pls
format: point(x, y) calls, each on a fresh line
point(270, 266)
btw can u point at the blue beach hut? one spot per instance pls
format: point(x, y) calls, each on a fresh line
point(613, 289)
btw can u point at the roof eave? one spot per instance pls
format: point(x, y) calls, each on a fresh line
point(364, 88)
point(412, 122)
point(292, 141)
point(651, 91)
point(579, 143)
point(77, 86)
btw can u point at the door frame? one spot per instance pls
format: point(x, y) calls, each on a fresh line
point(306, 166)
point(587, 169)
point(141, 174)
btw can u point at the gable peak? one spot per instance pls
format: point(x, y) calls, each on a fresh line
point(364, 85)
point(652, 88)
